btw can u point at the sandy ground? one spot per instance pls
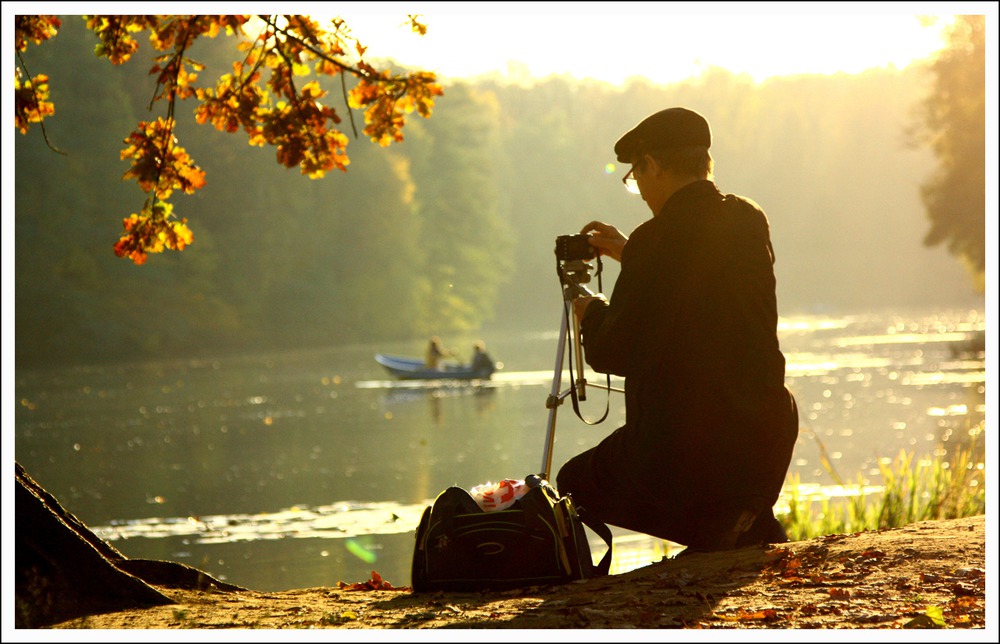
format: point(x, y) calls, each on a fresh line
point(926, 575)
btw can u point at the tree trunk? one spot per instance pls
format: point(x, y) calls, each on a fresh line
point(64, 571)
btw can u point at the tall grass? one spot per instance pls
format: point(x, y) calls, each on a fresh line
point(946, 485)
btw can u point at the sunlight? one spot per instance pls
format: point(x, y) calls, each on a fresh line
point(810, 324)
point(662, 42)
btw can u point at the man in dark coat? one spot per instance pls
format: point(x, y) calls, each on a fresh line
point(692, 326)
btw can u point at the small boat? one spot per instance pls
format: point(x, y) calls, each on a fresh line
point(416, 369)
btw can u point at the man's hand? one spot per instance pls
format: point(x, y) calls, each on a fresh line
point(607, 239)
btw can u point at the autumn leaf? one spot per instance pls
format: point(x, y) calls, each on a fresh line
point(767, 615)
point(743, 615)
point(151, 231)
point(30, 104)
point(416, 26)
point(115, 35)
point(791, 567)
point(872, 554)
point(281, 111)
point(964, 602)
point(962, 589)
point(921, 621)
point(776, 554)
point(37, 29)
point(158, 164)
point(375, 583)
point(936, 614)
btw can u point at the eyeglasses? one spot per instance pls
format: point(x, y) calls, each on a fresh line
point(630, 183)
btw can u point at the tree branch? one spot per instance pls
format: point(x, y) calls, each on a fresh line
point(34, 91)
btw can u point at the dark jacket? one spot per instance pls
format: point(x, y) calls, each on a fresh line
point(692, 326)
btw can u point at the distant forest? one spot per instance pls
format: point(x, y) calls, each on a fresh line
point(451, 231)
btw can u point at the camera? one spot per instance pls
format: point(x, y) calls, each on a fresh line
point(571, 248)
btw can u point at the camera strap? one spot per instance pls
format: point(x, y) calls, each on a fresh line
point(574, 397)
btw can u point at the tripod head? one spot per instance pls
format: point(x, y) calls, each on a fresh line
point(573, 275)
point(574, 272)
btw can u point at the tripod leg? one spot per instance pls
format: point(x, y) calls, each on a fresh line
point(554, 399)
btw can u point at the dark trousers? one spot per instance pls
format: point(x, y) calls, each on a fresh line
point(622, 501)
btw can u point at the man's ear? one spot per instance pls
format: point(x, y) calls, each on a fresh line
point(651, 165)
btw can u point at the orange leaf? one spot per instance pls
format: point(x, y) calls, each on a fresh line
point(375, 583)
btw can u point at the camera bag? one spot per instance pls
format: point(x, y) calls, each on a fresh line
point(539, 540)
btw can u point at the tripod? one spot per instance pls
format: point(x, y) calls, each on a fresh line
point(571, 275)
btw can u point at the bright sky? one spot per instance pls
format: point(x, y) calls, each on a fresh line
point(663, 41)
point(612, 41)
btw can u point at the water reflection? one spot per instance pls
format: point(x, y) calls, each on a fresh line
point(286, 470)
point(337, 521)
point(401, 393)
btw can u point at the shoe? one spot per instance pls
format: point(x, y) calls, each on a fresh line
point(687, 552)
point(765, 530)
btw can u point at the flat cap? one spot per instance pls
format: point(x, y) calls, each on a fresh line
point(672, 127)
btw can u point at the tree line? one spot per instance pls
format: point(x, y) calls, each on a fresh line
point(453, 229)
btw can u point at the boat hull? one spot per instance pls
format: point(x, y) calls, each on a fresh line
point(414, 369)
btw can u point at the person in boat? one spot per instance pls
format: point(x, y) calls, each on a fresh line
point(482, 364)
point(435, 352)
point(692, 326)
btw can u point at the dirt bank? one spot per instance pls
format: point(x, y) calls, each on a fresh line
point(926, 575)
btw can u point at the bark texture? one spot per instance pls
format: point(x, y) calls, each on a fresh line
point(64, 571)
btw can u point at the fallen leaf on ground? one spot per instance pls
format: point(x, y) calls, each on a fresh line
point(375, 583)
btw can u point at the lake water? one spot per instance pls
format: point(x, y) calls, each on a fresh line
point(302, 469)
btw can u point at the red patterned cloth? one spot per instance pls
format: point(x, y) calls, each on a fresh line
point(498, 496)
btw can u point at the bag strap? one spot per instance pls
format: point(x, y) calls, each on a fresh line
point(552, 496)
point(604, 532)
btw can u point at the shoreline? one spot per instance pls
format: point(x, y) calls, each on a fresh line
point(927, 575)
